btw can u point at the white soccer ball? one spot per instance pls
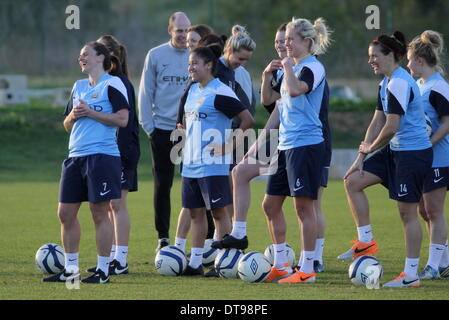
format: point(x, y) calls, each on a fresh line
point(209, 253)
point(50, 258)
point(365, 271)
point(291, 257)
point(254, 267)
point(226, 262)
point(170, 261)
point(428, 125)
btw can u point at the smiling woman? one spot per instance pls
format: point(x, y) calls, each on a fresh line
point(209, 108)
point(97, 107)
point(397, 130)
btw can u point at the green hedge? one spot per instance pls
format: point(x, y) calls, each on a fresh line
point(343, 105)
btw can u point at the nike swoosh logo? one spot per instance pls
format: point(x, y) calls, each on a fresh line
point(437, 180)
point(408, 282)
point(216, 200)
point(71, 260)
point(402, 194)
point(196, 254)
point(296, 189)
point(413, 265)
point(104, 281)
point(361, 250)
point(104, 193)
point(304, 279)
point(309, 259)
point(439, 249)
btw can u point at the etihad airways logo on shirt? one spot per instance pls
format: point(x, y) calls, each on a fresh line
point(196, 115)
point(175, 80)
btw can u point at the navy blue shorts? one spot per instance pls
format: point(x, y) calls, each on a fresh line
point(209, 192)
point(299, 172)
point(436, 178)
point(324, 177)
point(129, 159)
point(402, 172)
point(92, 178)
point(129, 179)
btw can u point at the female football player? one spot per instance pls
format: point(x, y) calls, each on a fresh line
point(397, 131)
point(128, 142)
point(301, 144)
point(209, 109)
point(424, 56)
point(97, 107)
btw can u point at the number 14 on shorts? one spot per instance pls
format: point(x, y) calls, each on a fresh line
point(402, 190)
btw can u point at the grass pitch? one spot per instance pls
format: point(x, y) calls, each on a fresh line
point(28, 220)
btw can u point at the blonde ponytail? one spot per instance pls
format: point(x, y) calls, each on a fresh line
point(429, 45)
point(323, 39)
point(240, 39)
point(318, 33)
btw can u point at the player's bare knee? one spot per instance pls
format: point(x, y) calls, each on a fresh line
point(66, 218)
point(269, 210)
point(99, 213)
point(352, 184)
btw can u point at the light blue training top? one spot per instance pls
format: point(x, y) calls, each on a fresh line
point(400, 95)
point(89, 136)
point(435, 97)
point(299, 116)
point(208, 112)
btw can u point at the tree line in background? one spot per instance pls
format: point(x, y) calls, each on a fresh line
point(35, 41)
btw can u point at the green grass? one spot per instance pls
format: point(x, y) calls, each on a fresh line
point(34, 145)
point(28, 220)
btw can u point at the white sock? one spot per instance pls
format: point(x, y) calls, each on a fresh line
point(301, 258)
point(411, 267)
point(180, 243)
point(113, 250)
point(280, 255)
point(196, 257)
point(307, 263)
point(216, 235)
point(365, 233)
point(239, 229)
point(435, 253)
point(71, 262)
point(444, 262)
point(319, 247)
point(121, 253)
point(103, 264)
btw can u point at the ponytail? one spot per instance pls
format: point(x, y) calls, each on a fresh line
point(429, 46)
point(322, 35)
point(116, 68)
point(118, 50)
point(240, 39)
point(318, 33)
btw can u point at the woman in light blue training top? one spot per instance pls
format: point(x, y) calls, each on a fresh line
point(209, 109)
point(301, 144)
point(398, 133)
point(425, 63)
point(97, 107)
